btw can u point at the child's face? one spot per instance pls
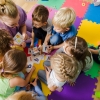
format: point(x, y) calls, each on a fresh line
point(67, 49)
point(38, 24)
point(59, 29)
point(11, 22)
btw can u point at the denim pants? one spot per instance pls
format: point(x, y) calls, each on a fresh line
point(56, 39)
point(42, 73)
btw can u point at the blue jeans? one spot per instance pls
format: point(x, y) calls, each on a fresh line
point(42, 73)
point(56, 39)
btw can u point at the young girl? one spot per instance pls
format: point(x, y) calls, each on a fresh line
point(77, 47)
point(12, 18)
point(30, 95)
point(5, 42)
point(59, 70)
point(14, 61)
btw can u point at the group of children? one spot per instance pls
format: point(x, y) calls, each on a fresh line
point(72, 57)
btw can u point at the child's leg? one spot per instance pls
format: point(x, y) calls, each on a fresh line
point(40, 33)
point(56, 39)
point(42, 76)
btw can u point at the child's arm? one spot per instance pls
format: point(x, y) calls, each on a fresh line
point(94, 51)
point(23, 30)
point(47, 38)
point(51, 87)
point(55, 47)
point(32, 41)
point(18, 81)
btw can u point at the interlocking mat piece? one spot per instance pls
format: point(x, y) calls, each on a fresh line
point(94, 71)
point(77, 22)
point(96, 96)
point(56, 4)
point(90, 32)
point(83, 90)
point(79, 6)
point(51, 12)
point(93, 13)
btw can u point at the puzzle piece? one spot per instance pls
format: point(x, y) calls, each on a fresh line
point(77, 6)
point(89, 31)
point(96, 96)
point(93, 72)
point(51, 3)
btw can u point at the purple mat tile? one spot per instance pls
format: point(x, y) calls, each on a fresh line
point(77, 22)
point(83, 90)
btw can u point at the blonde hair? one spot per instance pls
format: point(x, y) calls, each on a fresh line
point(40, 14)
point(64, 66)
point(64, 18)
point(8, 8)
point(13, 62)
point(22, 95)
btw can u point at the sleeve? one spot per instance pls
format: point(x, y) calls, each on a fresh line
point(60, 50)
point(72, 32)
point(40, 96)
point(22, 15)
point(49, 27)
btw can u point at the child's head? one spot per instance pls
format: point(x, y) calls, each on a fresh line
point(5, 41)
point(64, 66)
point(22, 95)
point(63, 19)
point(13, 62)
point(9, 13)
point(40, 16)
point(76, 46)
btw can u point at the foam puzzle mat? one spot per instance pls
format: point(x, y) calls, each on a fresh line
point(88, 26)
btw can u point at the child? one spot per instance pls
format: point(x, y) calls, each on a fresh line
point(95, 53)
point(77, 48)
point(12, 18)
point(42, 26)
point(5, 42)
point(22, 95)
point(60, 69)
point(63, 27)
point(14, 61)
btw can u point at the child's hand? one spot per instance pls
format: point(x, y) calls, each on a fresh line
point(33, 68)
point(35, 82)
point(72, 83)
point(32, 45)
point(50, 48)
point(23, 45)
point(48, 71)
point(25, 36)
point(40, 49)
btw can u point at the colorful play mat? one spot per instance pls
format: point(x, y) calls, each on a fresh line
point(87, 22)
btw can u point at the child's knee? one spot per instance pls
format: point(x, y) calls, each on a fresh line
point(55, 39)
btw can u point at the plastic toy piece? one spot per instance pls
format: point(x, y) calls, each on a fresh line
point(97, 94)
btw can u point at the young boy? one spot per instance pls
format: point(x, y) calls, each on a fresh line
point(62, 28)
point(42, 26)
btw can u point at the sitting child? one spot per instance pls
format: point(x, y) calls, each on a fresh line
point(63, 28)
point(30, 95)
point(42, 26)
point(13, 62)
point(60, 69)
point(77, 47)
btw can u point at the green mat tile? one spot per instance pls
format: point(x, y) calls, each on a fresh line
point(56, 4)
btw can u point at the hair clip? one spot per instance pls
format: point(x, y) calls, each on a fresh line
point(75, 42)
